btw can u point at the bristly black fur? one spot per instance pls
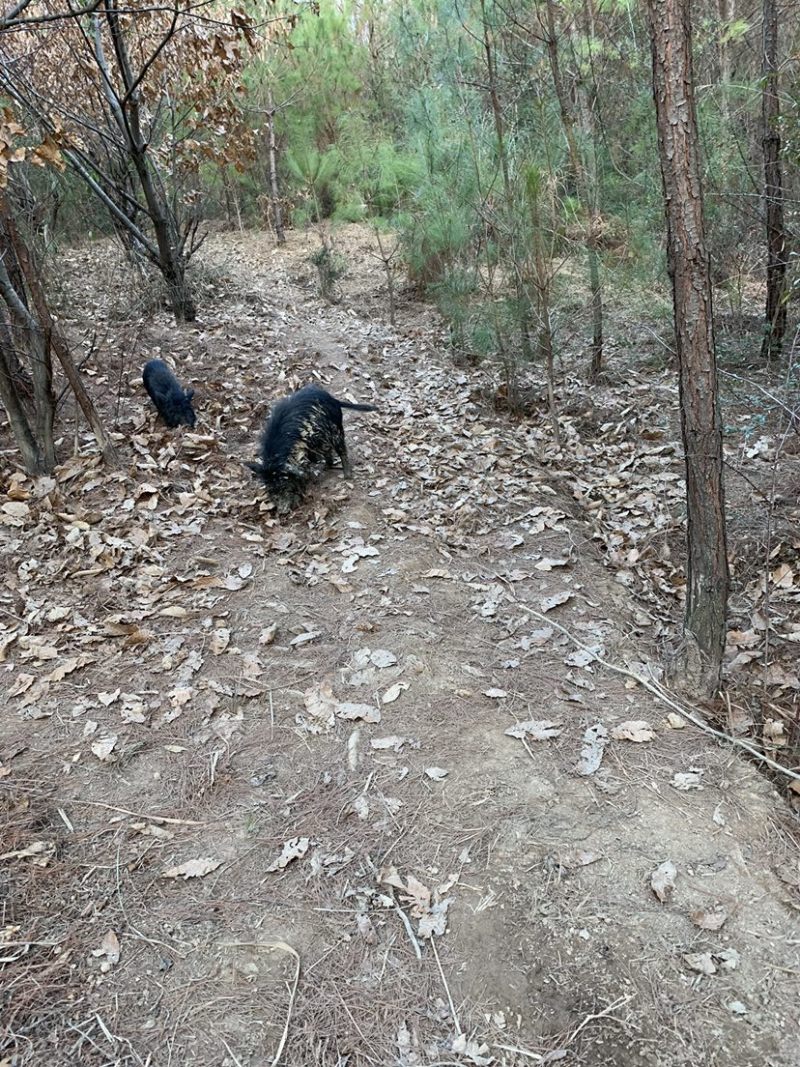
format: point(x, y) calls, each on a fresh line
point(174, 404)
point(303, 429)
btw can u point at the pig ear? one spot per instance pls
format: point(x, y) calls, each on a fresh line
point(189, 394)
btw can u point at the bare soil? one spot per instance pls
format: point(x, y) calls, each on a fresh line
point(179, 666)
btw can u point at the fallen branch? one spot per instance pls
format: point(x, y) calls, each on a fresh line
point(275, 946)
point(661, 694)
point(456, 1023)
point(138, 814)
point(618, 1003)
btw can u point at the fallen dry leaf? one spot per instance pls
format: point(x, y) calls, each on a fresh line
point(382, 658)
point(110, 947)
point(594, 743)
point(435, 922)
point(437, 774)
point(305, 638)
point(709, 918)
point(39, 851)
point(193, 869)
point(21, 683)
point(393, 692)
point(393, 741)
point(472, 1051)
point(662, 880)
point(103, 748)
point(700, 961)
point(367, 712)
point(729, 958)
point(320, 713)
point(547, 564)
point(417, 896)
point(174, 612)
point(555, 601)
point(293, 849)
point(220, 639)
point(633, 730)
point(687, 780)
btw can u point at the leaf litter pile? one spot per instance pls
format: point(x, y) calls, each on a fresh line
point(340, 788)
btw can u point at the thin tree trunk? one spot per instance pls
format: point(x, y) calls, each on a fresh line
point(32, 456)
point(689, 268)
point(586, 185)
point(386, 259)
point(274, 190)
point(726, 14)
point(20, 377)
point(45, 406)
point(499, 127)
point(777, 250)
point(127, 115)
point(38, 340)
point(542, 279)
point(12, 289)
point(59, 346)
point(226, 188)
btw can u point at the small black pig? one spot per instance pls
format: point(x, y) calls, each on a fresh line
point(303, 429)
point(174, 404)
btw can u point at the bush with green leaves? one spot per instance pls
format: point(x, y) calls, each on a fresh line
point(331, 266)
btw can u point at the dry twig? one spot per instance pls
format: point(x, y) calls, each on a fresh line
point(661, 694)
point(275, 946)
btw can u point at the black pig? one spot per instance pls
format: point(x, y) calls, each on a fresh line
point(303, 429)
point(174, 404)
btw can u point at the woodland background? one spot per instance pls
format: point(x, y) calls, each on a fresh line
point(213, 851)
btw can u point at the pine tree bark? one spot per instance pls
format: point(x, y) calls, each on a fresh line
point(707, 577)
point(777, 245)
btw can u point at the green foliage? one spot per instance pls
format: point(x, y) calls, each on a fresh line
point(316, 173)
point(384, 113)
point(331, 266)
point(381, 174)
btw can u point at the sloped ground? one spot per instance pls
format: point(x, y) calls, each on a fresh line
point(259, 798)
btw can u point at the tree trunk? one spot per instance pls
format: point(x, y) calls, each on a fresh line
point(542, 280)
point(777, 250)
point(523, 318)
point(32, 457)
point(274, 190)
point(689, 268)
point(38, 341)
point(727, 13)
point(55, 341)
point(172, 261)
point(586, 182)
point(36, 443)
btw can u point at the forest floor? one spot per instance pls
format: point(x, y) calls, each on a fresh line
point(265, 794)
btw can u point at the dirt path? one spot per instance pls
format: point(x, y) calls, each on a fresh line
point(234, 748)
